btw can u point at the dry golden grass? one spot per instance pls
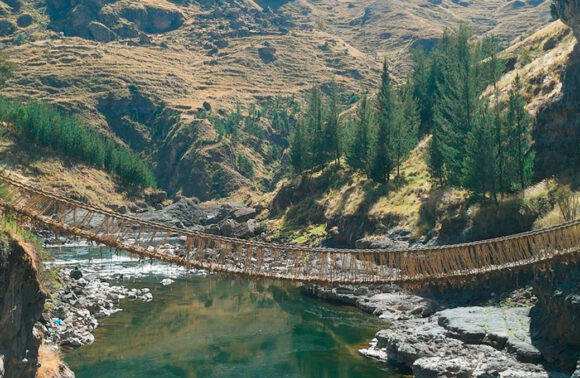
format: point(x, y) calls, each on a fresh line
point(53, 173)
point(541, 78)
point(49, 359)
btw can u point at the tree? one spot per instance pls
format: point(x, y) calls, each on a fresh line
point(479, 168)
point(435, 158)
point(520, 154)
point(381, 161)
point(332, 126)
point(357, 153)
point(299, 148)
point(315, 127)
point(493, 70)
point(457, 103)
point(405, 128)
point(424, 87)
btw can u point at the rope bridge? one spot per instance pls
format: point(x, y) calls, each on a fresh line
point(411, 267)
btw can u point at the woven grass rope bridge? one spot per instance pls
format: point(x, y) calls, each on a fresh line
point(453, 264)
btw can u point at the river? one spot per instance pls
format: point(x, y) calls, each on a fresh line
point(210, 326)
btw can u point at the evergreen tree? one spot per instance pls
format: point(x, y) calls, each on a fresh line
point(405, 127)
point(315, 128)
point(479, 168)
point(331, 130)
point(358, 145)
point(520, 159)
point(381, 161)
point(458, 102)
point(424, 87)
point(494, 68)
point(435, 158)
point(299, 148)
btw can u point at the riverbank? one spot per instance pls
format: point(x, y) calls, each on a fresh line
point(73, 313)
point(526, 332)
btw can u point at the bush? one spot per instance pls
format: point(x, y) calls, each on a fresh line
point(245, 166)
point(218, 183)
point(46, 126)
point(568, 202)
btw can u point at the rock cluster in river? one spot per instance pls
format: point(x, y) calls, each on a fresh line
point(475, 341)
point(72, 315)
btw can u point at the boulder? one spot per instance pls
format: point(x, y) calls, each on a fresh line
point(152, 19)
point(576, 373)
point(434, 346)
point(155, 197)
point(100, 32)
point(244, 214)
point(76, 274)
point(434, 367)
point(6, 28)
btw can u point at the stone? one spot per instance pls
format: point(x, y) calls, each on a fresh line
point(434, 346)
point(434, 367)
point(155, 197)
point(244, 214)
point(71, 342)
point(167, 282)
point(227, 227)
point(76, 274)
point(6, 28)
point(100, 32)
point(1, 366)
point(576, 373)
point(524, 351)
point(151, 19)
point(24, 20)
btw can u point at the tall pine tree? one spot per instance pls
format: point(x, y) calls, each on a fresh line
point(458, 102)
point(480, 164)
point(315, 127)
point(299, 148)
point(520, 158)
point(405, 128)
point(381, 165)
point(332, 127)
point(357, 153)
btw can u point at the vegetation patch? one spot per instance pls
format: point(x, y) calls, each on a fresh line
point(46, 126)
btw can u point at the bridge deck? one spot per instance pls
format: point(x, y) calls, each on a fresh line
point(415, 266)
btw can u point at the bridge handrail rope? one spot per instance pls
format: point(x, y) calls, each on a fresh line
point(305, 263)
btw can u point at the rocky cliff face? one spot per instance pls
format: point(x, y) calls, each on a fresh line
point(108, 20)
point(21, 304)
point(555, 317)
point(557, 131)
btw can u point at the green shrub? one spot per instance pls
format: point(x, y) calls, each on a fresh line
point(245, 166)
point(44, 125)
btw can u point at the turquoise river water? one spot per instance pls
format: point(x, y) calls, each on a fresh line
point(220, 327)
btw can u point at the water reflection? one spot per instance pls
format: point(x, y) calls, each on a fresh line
point(210, 327)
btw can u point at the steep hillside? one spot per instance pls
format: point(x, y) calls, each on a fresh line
point(392, 28)
point(344, 207)
point(157, 74)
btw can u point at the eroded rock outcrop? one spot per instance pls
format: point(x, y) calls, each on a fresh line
point(557, 130)
point(21, 304)
point(107, 20)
